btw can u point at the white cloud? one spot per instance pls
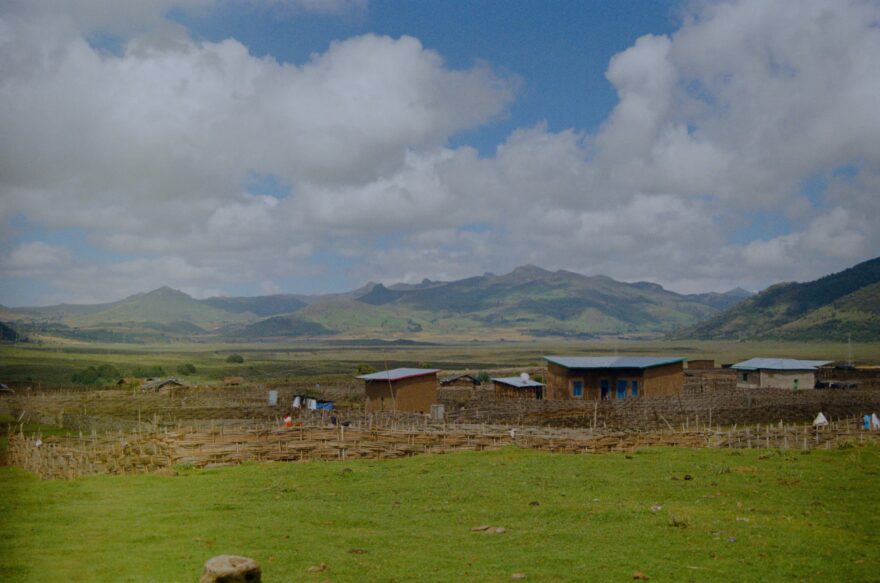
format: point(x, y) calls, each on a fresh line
point(728, 117)
point(34, 259)
point(148, 150)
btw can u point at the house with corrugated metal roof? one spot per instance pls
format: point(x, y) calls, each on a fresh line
point(613, 378)
point(401, 389)
point(521, 387)
point(777, 373)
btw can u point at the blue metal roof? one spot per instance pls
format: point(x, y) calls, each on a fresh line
point(518, 382)
point(398, 374)
point(779, 364)
point(589, 362)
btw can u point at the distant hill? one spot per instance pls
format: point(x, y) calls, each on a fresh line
point(722, 301)
point(528, 302)
point(278, 327)
point(260, 305)
point(380, 295)
point(160, 306)
point(833, 307)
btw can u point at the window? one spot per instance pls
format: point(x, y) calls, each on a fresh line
point(745, 377)
point(635, 388)
point(605, 386)
point(577, 389)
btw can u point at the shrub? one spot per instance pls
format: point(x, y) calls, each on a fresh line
point(86, 377)
point(145, 372)
point(365, 369)
point(109, 372)
point(91, 375)
point(235, 359)
point(186, 369)
point(482, 377)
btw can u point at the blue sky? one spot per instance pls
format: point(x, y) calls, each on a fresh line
point(307, 146)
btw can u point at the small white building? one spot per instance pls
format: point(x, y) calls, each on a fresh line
point(777, 373)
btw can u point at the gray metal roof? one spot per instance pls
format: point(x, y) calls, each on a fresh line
point(159, 383)
point(518, 382)
point(589, 362)
point(779, 364)
point(458, 377)
point(398, 374)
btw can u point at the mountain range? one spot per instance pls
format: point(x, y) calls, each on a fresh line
point(528, 302)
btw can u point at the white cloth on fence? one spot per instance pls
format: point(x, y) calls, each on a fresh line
point(875, 421)
point(820, 420)
point(297, 402)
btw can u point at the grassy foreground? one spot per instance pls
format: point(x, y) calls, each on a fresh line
point(744, 516)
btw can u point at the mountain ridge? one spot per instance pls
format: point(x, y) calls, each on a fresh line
point(529, 301)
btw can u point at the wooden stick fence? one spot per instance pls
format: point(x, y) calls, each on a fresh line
point(121, 453)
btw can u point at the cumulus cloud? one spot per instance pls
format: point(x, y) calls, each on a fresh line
point(150, 151)
point(724, 120)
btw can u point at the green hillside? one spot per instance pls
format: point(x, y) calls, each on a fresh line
point(263, 306)
point(293, 326)
point(856, 316)
point(834, 307)
point(355, 318)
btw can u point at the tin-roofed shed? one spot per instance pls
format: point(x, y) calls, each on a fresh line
point(777, 373)
point(613, 377)
point(401, 389)
point(521, 387)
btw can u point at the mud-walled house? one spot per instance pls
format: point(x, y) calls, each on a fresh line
point(521, 387)
point(401, 389)
point(613, 378)
point(701, 364)
point(777, 373)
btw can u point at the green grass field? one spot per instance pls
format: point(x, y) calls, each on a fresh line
point(753, 515)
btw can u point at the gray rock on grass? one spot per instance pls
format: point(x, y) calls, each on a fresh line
point(231, 569)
